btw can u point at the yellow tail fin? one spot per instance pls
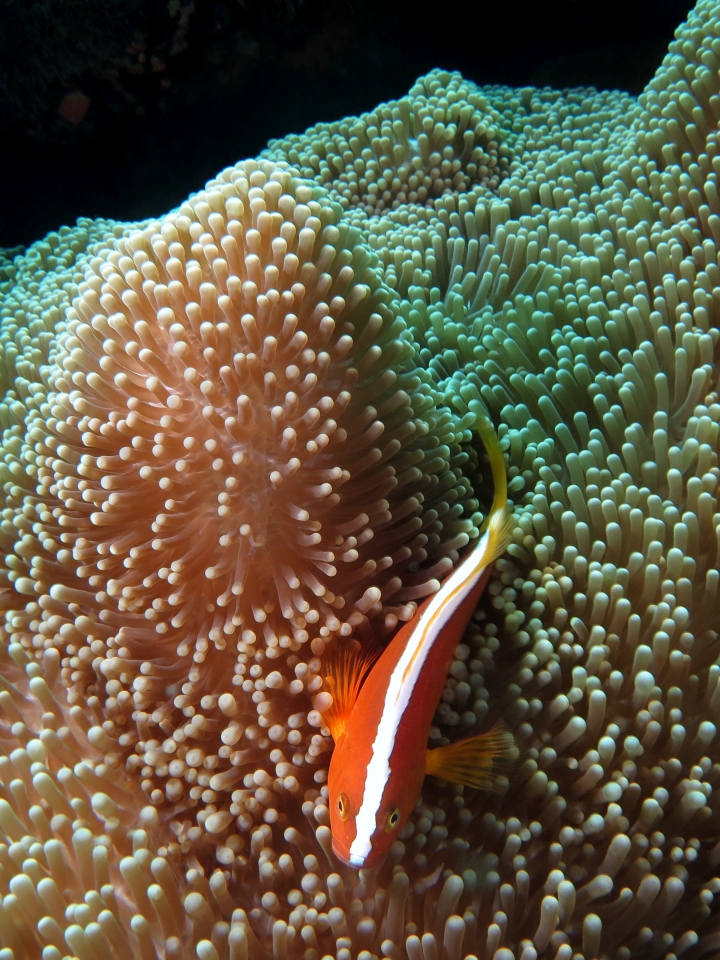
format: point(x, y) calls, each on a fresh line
point(475, 762)
point(499, 522)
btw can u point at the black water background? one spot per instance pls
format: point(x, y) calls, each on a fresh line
point(163, 120)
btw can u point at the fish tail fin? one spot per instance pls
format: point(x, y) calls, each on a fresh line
point(475, 762)
point(499, 522)
point(345, 669)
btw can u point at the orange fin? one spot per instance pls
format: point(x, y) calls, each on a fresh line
point(345, 670)
point(475, 762)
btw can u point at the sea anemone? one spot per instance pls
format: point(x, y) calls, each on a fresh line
point(240, 460)
point(439, 139)
point(244, 431)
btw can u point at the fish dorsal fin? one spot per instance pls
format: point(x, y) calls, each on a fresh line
point(499, 522)
point(475, 762)
point(345, 670)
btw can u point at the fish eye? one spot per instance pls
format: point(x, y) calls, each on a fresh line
point(393, 820)
point(343, 806)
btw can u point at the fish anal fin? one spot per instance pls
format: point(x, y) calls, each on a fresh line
point(474, 762)
point(345, 669)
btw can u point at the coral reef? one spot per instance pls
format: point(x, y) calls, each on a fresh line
point(242, 432)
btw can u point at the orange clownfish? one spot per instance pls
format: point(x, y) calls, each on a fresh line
point(382, 711)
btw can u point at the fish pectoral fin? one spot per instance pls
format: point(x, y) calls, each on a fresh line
point(475, 762)
point(345, 668)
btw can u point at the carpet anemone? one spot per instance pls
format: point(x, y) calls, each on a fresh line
point(243, 432)
point(439, 139)
point(240, 463)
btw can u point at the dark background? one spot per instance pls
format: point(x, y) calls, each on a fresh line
point(119, 108)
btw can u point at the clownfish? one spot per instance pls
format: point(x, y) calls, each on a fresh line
point(383, 707)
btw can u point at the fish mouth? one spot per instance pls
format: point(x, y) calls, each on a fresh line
point(373, 859)
point(343, 853)
point(350, 859)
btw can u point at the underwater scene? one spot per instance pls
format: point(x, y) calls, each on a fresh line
point(361, 542)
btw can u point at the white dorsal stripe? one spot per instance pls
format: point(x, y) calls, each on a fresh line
point(402, 682)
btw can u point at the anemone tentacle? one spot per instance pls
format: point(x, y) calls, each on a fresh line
point(241, 432)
